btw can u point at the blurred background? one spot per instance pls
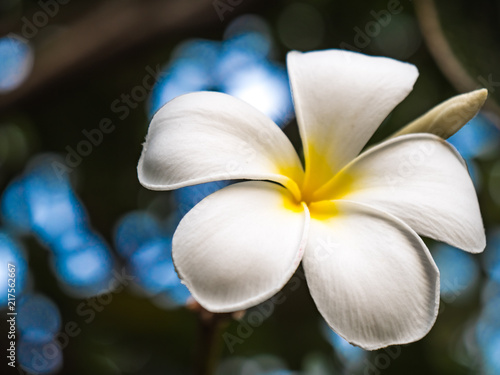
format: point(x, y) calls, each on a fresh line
point(95, 288)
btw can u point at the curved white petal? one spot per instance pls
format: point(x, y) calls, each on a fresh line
point(420, 179)
point(240, 245)
point(341, 97)
point(371, 276)
point(208, 136)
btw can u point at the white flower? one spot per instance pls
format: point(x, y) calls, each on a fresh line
point(352, 220)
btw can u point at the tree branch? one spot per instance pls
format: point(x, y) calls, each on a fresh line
point(441, 51)
point(113, 28)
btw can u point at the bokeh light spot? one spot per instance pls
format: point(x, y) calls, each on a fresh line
point(40, 357)
point(38, 318)
point(16, 62)
point(11, 254)
point(87, 270)
point(459, 272)
point(133, 230)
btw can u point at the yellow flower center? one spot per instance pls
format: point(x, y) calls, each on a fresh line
point(313, 192)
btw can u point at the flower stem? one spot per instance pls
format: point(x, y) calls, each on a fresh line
point(209, 342)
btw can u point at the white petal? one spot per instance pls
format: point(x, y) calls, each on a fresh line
point(209, 136)
point(420, 179)
point(371, 276)
point(240, 245)
point(341, 97)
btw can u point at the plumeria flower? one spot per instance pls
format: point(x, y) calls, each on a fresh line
point(351, 218)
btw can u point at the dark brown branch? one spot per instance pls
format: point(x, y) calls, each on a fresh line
point(443, 54)
point(210, 342)
point(111, 29)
